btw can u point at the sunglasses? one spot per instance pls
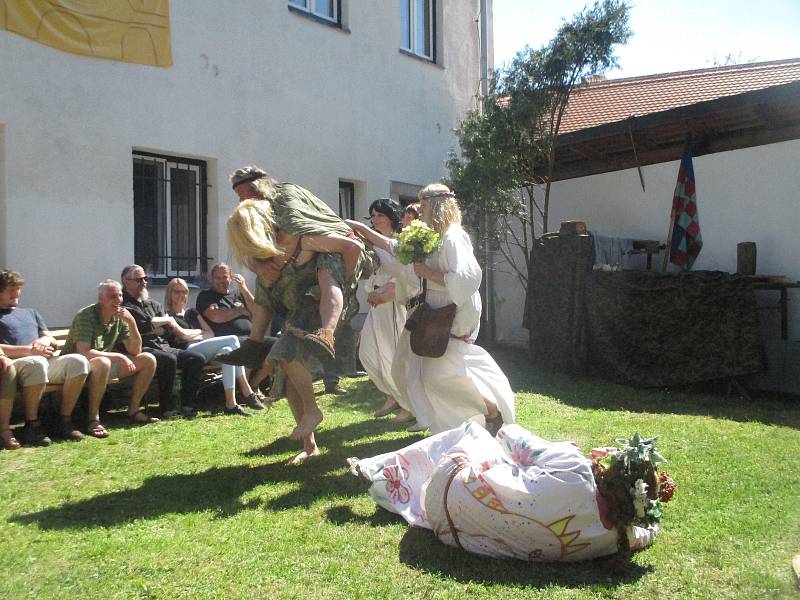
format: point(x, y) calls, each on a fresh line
point(139, 279)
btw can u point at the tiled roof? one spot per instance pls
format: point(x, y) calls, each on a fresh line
point(604, 101)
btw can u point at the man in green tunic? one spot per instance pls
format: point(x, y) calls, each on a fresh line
point(308, 262)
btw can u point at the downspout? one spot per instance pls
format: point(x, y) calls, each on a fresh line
point(488, 255)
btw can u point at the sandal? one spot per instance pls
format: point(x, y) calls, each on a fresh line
point(141, 418)
point(9, 442)
point(95, 429)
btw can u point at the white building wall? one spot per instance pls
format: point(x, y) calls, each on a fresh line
point(744, 195)
point(252, 82)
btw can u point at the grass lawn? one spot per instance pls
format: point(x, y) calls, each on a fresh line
point(209, 509)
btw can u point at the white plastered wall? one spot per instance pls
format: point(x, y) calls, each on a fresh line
point(743, 195)
point(252, 82)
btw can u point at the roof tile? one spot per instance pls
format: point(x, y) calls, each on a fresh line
point(599, 102)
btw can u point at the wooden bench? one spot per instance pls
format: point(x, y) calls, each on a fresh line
point(210, 369)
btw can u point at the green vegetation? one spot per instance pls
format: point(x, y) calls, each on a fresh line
point(209, 509)
point(505, 164)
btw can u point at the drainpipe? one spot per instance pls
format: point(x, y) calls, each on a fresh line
point(488, 255)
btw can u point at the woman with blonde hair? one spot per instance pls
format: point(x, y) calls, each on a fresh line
point(194, 334)
point(273, 219)
point(308, 262)
point(465, 384)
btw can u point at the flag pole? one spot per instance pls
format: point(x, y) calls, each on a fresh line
point(668, 249)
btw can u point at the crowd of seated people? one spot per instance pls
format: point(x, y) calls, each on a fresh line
point(124, 335)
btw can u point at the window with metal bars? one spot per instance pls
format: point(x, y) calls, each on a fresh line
point(169, 215)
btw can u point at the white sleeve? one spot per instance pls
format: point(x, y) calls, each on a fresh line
point(462, 276)
point(406, 281)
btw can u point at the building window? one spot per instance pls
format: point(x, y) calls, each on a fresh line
point(347, 200)
point(417, 27)
point(169, 215)
point(327, 10)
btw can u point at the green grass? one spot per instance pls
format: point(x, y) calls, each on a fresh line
point(209, 509)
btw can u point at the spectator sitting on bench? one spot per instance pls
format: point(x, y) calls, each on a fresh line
point(25, 339)
point(96, 330)
point(8, 389)
point(228, 313)
point(196, 335)
point(160, 336)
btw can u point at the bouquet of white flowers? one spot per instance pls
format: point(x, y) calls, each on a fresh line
point(416, 243)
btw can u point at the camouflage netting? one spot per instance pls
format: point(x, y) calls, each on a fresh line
point(640, 328)
point(556, 319)
point(657, 329)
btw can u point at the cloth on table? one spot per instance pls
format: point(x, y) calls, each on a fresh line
point(609, 250)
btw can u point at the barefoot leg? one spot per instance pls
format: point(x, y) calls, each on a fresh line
point(305, 410)
point(310, 450)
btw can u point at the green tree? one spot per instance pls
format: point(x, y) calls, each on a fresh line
point(504, 169)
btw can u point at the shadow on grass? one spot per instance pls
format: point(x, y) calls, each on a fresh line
point(420, 549)
point(703, 400)
point(220, 489)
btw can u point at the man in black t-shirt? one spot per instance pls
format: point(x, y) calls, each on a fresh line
point(159, 333)
point(227, 313)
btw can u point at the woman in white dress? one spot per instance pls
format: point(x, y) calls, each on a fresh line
point(465, 383)
point(520, 496)
point(385, 318)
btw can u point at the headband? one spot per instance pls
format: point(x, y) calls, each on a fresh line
point(248, 179)
point(441, 194)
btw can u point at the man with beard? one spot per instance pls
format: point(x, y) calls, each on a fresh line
point(158, 330)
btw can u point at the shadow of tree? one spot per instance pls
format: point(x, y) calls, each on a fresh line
point(220, 489)
point(343, 515)
point(709, 399)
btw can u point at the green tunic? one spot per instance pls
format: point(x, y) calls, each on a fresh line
point(298, 212)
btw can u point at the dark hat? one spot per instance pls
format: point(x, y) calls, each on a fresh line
point(247, 174)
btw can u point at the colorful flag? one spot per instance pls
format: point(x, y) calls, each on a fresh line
point(686, 241)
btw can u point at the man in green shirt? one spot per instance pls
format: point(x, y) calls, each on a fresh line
point(96, 330)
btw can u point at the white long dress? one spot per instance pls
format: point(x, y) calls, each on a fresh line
point(446, 391)
point(516, 495)
point(379, 336)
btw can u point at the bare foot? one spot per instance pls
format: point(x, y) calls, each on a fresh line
point(403, 416)
point(303, 456)
point(388, 407)
point(307, 425)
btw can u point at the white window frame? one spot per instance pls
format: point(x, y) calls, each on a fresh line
point(416, 46)
point(310, 7)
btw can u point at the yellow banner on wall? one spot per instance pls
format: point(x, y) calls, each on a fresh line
point(135, 31)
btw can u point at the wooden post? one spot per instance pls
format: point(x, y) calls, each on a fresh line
point(668, 249)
